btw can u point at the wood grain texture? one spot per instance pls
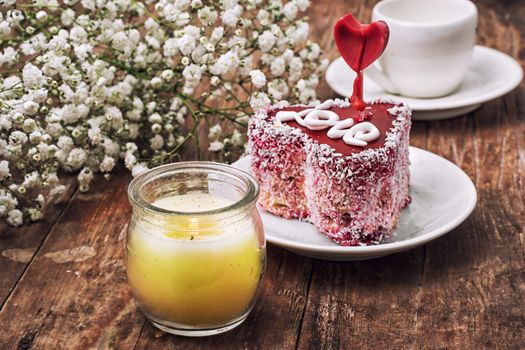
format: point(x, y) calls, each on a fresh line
point(74, 294)
point(19, 245)
point(64, 287)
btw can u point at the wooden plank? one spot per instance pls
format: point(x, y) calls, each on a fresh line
point(481, 299)
point(18, 245)
point(275, 321)
point(366, 304)
point(74, 294)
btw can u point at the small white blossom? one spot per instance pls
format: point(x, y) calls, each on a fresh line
point(138, 169)
point(32, 76)
point(231, 16)
point(216, 146)
point(4, 169)
point(290, 10)
point(237, 138)
point(258, 78)
point(266, 41)
point(76, 158)
point(156, 142)
point(278, 67)
point(259, 100)
point(107, 164)
point(15, 217)
point(215, 132)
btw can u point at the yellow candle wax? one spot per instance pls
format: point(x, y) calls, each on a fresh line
point(192, 270)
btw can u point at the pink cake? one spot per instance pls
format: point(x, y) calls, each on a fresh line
point(352, 193)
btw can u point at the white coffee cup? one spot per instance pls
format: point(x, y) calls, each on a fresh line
point(430, 46)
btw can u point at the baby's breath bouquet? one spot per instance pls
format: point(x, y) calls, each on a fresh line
point(85, 84)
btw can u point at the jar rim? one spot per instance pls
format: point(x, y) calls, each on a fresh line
point(249, 196)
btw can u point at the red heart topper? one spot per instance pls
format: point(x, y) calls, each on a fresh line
point(360, 44)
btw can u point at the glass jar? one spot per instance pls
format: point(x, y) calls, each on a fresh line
point(195, 248)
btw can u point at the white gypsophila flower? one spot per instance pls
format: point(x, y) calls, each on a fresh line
point(65, 143)
point(78, 35)
point(130, 160)
point(34, 214)
point(266, 41)
point(167, 74)
point(84, 177)
point(15, 217)
point(237, 138)
point(231, 16)
point(259, 100)
point(216, 35)
point(216, 146)
point(83, 51)
point(215, 132)
point(258, 78)
point(11, 82)
point(186, 44)
point(192, 74)
point(31, 180)
point(107, 164)
point(278, 89)
point(4, 169)
point(32, 76)
point(39, 95)
point(5, 122)
point(225, 63)
point(156, 82)
point(278, 66)
point(207, 15)
point(290, 10)
point(8, 57)
point(156, 142)
point(76, 158)
point(41, 16)
point(35, 137)
point(298, 34)
point(171, 47)
point(302, 4)
point(18, 137)
point(30, 107)
point(138, 169)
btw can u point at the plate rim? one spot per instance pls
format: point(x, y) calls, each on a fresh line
point(385, 248)
point(478, 99)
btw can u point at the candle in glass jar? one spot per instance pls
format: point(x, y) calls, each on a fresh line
point(194, 270)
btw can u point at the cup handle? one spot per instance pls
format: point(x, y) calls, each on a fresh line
point(375, 73)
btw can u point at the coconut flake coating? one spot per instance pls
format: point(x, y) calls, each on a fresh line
point(353, 199)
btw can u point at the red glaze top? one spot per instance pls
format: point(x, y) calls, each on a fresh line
point(378, 116)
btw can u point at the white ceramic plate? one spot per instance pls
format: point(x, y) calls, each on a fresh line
point(443, 196)
point(492, 74)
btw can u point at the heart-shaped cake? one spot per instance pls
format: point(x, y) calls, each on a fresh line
point(340, 164)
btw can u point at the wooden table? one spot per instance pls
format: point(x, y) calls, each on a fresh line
point(63, 281)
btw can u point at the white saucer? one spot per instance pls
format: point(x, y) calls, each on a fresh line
point(443, 196)
point(492, 74)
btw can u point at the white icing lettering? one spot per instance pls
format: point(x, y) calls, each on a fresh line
point(340, 128)
point(360, 134)
point(320, 118)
